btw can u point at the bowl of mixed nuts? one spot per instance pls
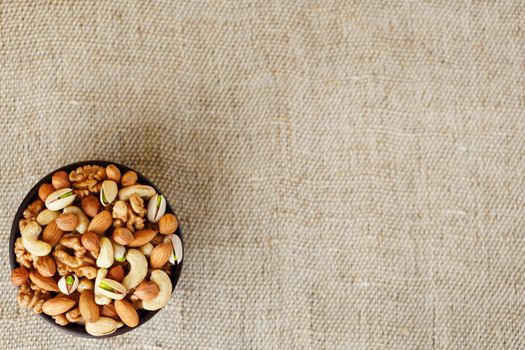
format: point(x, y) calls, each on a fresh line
point(96, 249)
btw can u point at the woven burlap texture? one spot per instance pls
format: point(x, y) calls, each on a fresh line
point(349, 174)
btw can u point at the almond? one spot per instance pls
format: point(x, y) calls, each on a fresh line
point(127, 313)
point(91, 242)
point(67, 221)
point(46, 266)
point(113, 173)
point(108, 310)
point(57, 305)
point(19, 276)
point(128, 179)
point(116, 273)
point(101, 222)
point(88, 308)
point(46, 283)
point(146, 291)
point(45, 190)
point(160, 255)
point(52, 234)
point(168, 224)
point(90, 206)
point(142, 237)
point(60, 180)
point(122, 236)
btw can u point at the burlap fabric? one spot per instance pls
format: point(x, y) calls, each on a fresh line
point(349, 173)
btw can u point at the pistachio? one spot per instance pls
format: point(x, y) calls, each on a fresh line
point(112, 289)
point(46, 216)
point(60, 199)
point(108, 192)
point(68, 284)
point(103, 326)
point(99, 298)
point(106, 255)
point(119, 252)
point(177, 249)
point(156, 208)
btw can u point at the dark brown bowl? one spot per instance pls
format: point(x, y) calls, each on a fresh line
point(75, 329)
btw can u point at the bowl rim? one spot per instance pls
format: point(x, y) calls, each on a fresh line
point(74, 329)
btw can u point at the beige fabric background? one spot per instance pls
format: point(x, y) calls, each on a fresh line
point(349, 173)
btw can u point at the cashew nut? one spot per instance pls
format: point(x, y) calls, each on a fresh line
point(106, 255)
point(162, 280)
point(99, 298)
point(143, 191)
point(103, 326)
point(138, 269)
point(82, 218)
point(31, 242)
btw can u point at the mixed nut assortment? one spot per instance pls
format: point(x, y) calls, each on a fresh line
point(93, 252)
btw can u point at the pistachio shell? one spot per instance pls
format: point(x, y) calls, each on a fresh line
point(119, 290)
point(156, 208)
point(108, 192)
point(178, 252)
point(54, 203)
point(106, 254)
point(119, 252)
point(103, 326)
point(46, 216)
point(62, 285)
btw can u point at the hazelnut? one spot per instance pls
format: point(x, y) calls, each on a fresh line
point(67, 221)
point(128, 179)
point(168, 224)
point(60, 180)
point(45, 190)
point(90, 205)
point(122, 236)
point(90, 241)
point(113, 173)
point(116, 273)
point(19, 276)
